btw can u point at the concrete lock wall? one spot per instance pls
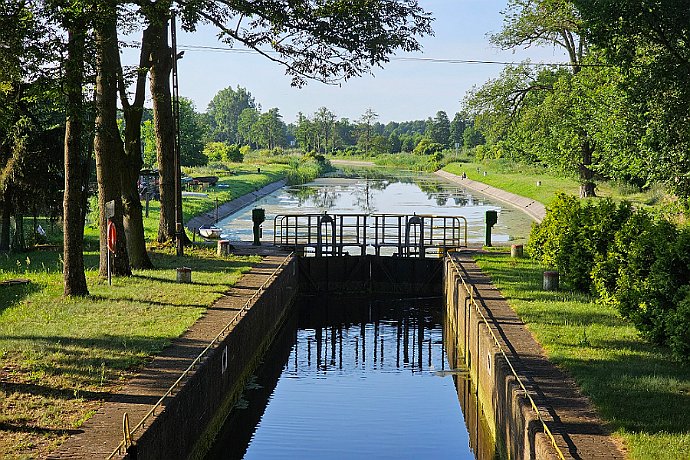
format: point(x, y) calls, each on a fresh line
point(191, 419)
point(515, 426)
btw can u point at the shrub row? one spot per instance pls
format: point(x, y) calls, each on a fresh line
point(637, 262)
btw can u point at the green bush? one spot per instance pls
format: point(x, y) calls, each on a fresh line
point(646, 276)
point(573, 236)
point(638, 263)
point(220, 151)
point(427, 147)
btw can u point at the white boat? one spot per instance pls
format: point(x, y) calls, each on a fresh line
point(210, 231)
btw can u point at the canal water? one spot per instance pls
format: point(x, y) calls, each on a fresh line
point(364, 377)
point(381, 192)
point(358, 378)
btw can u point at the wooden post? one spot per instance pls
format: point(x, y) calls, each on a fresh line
point(550, 281)
point(184, 275)
point(223, 248)
point(516, 251)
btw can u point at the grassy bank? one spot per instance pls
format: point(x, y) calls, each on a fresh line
point(522, 180)
point(639, 389)
point(60, 357)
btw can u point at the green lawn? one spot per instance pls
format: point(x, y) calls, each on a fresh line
point(639, 389)
point(59, 357)
point(522, 180)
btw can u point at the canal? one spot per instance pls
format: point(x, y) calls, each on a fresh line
point(358, 377)
point(383, 192)
point(364, 377)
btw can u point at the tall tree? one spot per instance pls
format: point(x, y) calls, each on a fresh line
point(457, 128)
point(439, 128)
point(161, 67)
point(245, 122)
point(558, 23)
point(650, 42)
point(366, 129)
point(74, 278)
point(324, 120)
point(270, 131)
point(133, 112)
point(192, 132)
point(108, 143)
point(224, 112)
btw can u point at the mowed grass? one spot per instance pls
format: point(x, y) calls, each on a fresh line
point(641, 391)
point(522, 180)
point(60, 357)
point(240, 180)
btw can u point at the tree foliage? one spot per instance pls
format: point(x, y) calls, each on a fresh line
point(650, 43)
point(224, 112)
point(328, 39)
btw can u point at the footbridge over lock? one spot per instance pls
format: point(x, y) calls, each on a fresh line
point(399, 235)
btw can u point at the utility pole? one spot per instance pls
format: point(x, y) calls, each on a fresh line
point(176, 120)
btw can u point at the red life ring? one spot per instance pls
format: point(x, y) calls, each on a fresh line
point(112, 236)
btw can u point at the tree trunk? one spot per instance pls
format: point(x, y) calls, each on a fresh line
point(5, 225)
point(74, 279)
point(161, 66)
point(107, 142)
point(132, 218)
point(18, 241)
point(164, 126)
point(587, 185)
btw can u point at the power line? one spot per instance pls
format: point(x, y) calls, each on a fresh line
point(219, 49)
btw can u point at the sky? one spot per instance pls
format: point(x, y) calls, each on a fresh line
point(403, 90)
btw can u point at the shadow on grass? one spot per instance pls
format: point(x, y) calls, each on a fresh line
point(637, 394)
point(13, 294)
point(159, 279)
point(199, 259)
point(12, 428)
point(152, 303)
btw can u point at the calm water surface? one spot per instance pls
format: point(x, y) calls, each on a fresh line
point(353, 378)
point(406, 193)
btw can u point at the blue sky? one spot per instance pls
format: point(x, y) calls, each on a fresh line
point(402, 90)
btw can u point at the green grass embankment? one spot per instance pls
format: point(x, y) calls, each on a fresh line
point(59, 357)
point(641, 391)
point(522, 180)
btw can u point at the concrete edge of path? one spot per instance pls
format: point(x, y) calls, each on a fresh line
point(579, 430)
point(232, 206)
point(100, 434)
point(531, 207)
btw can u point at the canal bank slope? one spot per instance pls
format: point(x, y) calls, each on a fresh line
point(232, 206)
point(531, 207)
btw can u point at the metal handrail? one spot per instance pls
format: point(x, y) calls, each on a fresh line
point(128, 435)
point(470, 290)
point(411, 234)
